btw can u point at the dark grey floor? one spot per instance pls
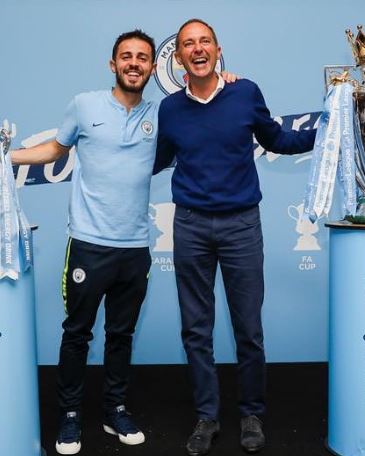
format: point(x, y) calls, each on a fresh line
point(160, 399)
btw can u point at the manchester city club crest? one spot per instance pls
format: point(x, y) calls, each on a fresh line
point(78, 275)
point(170, 75)
point(147, 127)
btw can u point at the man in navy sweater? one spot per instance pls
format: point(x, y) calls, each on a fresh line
point(209, 128)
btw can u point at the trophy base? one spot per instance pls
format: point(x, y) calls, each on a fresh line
point(356, 219)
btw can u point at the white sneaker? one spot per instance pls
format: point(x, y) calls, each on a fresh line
point(68, 441)
point(118, 422)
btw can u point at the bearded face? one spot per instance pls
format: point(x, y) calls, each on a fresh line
point(133, 65)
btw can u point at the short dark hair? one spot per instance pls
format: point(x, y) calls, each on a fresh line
point(191, 21)
point(138, 34)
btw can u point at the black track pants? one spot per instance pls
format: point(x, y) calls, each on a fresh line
point(92, 271)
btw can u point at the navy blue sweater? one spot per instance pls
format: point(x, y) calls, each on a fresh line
point(213, 146)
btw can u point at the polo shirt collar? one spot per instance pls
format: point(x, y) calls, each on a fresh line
point(219, 88)
point(119, 105)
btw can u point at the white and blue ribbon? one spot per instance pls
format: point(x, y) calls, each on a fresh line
point(15, 232)
point(360, 150)
point(346, 165)
point(334, 150)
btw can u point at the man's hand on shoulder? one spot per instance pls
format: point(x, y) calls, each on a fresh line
point(229, 77)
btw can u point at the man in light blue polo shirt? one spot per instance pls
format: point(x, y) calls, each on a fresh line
point(114, 132)
point(113, 168)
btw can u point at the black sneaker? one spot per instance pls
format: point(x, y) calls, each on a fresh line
point(118, 422)
point(252, 436)
point(68, 441)
point(201, 439)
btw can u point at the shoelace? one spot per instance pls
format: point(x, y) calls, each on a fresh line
point(251, 424)
point(200, 428)
point(70, 429)
point(124, 423)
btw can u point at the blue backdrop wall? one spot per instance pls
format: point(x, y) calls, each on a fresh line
point(52, 49)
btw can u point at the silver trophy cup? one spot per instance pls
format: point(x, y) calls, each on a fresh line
point(337, 74)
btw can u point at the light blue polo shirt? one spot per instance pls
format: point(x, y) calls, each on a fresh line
point(115, 152)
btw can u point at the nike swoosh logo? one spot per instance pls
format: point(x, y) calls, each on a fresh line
point(97, 124)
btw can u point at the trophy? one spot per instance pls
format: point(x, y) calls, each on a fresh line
point(340, 142)
point(306, 229)
point(358, 50)
point(15, 234)
point(355, 74)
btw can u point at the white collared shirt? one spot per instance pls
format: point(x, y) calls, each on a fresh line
point(219, 87)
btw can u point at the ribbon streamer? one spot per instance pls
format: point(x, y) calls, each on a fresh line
point(15, 232)
point(333, 154)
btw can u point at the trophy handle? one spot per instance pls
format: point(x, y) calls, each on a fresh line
point(291, 212)
point(5, 140)
point(334, 70)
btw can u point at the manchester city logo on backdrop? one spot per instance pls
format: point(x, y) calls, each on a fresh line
point(147, 127)
point(170, 75)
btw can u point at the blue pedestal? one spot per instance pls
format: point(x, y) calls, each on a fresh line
point(19, 409)
point(346, 421)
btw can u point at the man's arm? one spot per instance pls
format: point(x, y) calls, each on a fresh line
point(271, 136)
point(43, 153)
point(165, 153)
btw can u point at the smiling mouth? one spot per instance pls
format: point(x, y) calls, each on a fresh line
point(133, 75)
point(199, 61)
